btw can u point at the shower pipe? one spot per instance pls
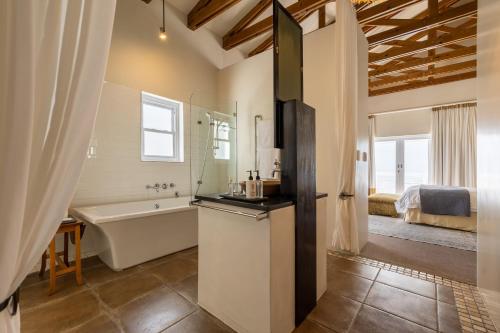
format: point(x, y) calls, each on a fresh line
point(257, 117)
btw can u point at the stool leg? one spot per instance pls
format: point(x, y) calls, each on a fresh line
point(66, 261)
point(52, 287)
point(44, 264)
point(78, 262)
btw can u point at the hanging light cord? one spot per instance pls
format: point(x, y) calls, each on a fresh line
point(163, 15)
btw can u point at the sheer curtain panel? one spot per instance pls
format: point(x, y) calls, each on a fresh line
point(345, 230)
point(372, 183)
point(52, 63)
point(454, 145)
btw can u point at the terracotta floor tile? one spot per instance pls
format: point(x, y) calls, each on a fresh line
point(445, 294)
point(38, 293)
point(348, 285)
point(419, 309)
point(407, 283)
point(351, 267)
point(335, 312)
point(175, 270)
point(199, 322)
point(101, 274)
point(155, 311)
point(448, 318)
point(121, 291)
point(188, 288)
point(371, 320)
point(60, 315)
point(102, 323)
point(308, 326)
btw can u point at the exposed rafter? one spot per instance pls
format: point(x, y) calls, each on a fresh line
point(425, 83)
point(205, 10)
point(424, 24)
point(383, 9)
point(250, 17)
point(297, 9)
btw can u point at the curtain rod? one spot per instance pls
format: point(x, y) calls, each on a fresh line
point(422, 107)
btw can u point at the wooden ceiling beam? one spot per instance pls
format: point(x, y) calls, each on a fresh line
point(422, 46)
point(297, 9)
point(205, 10)
point(417, 63)
point(258, 9)
point(390, 22)
point(421, 84)
point(425, 24)
point(383, 9)
point(471, 64)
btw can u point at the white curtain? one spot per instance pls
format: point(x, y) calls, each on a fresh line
point(454, 145)
point(52, 64)
point(372, 182)
point(345, 231)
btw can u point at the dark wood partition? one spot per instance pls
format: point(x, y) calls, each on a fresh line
point(298, 181)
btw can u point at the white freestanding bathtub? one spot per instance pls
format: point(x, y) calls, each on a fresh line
point(131, 233)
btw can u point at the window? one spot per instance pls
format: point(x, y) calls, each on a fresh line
point(222, 144)
point(401, 162)
point(162, 129)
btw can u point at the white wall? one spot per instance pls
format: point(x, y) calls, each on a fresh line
point(488, 131)
point(403, 123)
point(459, 91)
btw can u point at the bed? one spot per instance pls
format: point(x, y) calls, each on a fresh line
point(410, 206)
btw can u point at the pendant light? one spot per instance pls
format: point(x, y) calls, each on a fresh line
point(163, 34)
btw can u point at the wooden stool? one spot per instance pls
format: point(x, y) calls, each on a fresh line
point(67, 229)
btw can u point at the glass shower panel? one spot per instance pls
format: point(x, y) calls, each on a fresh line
point(213, 150)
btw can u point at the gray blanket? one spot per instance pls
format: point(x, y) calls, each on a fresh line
point(444, 200)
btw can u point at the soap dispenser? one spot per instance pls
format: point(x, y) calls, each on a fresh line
point(250, 186)
point(259, 185)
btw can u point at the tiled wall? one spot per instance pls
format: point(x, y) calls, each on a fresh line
point(117, 173)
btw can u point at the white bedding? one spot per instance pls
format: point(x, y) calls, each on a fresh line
point(411, 199)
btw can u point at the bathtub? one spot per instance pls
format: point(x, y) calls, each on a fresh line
point(130, 233)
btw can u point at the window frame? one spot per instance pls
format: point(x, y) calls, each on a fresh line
point(400, 160)
point(177, 128)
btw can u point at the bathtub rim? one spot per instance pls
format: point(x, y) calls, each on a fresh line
point(91, 218)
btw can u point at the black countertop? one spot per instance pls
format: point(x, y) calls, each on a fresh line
point(272, 203)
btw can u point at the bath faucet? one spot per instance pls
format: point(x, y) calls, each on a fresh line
point(156, 187)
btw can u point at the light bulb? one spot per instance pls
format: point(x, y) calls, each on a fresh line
point(163, 34)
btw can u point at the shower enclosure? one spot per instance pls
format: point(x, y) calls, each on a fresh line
point(213, 144)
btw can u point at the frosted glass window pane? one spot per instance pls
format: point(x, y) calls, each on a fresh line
point(224, 151)
point(158, 118)
point(158, 144)
point(385, 166)
point(416, 162)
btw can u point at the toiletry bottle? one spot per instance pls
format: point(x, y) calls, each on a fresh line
point(250, 188)
point(259, 185)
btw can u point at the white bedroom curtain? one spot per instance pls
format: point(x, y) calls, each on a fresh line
point(372, 182)
point(454, 145)
point(345, 231)
point(52, 65)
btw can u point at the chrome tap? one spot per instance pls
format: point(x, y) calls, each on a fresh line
point(156, 187)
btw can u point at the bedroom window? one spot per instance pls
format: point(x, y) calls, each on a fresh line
point(401, 162)
point(161, 129)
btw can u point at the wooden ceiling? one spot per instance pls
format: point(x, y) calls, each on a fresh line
point(434, 46)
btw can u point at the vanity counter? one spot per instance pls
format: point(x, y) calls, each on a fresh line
point(272, 203)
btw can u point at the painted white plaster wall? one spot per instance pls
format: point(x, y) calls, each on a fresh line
point(488, 137)
point(404, 123)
